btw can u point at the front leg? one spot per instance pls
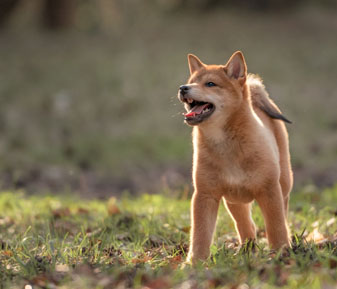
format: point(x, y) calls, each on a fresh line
point(204, 212)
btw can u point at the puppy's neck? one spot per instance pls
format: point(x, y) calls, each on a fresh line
point(239, 128)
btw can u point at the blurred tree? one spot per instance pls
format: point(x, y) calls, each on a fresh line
point(59, 14)
point(56, 14)
point(6, 9)
point(266, 4)
point(247, 4)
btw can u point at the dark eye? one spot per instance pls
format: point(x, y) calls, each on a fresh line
point(210, 84)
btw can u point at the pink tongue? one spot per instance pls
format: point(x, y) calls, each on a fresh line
point(196, 110)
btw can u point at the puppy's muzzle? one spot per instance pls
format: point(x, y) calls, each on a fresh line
point(183, 91)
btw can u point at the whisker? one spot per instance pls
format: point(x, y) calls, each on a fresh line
point(177, 114)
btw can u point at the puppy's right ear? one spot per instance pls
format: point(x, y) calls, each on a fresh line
point(194, 63)
point(236, 66)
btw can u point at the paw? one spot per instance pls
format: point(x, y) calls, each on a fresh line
point(248, 246)
point(196, 258)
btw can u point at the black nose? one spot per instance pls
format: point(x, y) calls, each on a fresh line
point(184, 89)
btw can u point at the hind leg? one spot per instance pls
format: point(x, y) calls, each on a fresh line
point(286, 182)
point(286, 205)
point(271, 203)
point(241, 215)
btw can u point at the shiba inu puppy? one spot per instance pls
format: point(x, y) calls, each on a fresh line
point(240, 155)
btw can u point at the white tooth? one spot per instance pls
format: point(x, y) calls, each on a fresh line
point(189, 100)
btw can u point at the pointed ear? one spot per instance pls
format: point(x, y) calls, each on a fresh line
point(194, 63)
point(236, 66)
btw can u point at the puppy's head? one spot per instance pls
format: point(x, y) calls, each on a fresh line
point(213, 92)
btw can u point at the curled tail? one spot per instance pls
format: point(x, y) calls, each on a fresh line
point(261, 100)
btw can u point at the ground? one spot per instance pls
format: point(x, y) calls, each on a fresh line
point(67, 242)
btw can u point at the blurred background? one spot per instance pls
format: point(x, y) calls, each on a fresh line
point(88, 88)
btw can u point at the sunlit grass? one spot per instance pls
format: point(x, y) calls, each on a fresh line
point(69, 242)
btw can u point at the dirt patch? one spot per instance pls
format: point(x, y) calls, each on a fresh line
point(135, 180)
point(96, 184)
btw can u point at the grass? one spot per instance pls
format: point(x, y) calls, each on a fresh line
point(68, 242)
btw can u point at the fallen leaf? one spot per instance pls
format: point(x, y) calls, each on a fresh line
point(60, 213)
point(106, 282)
point(177, 258)
point(159, 283)
point(82, 211)
point(62, 268)
point(40, 280)
point(332, 263)
point(330, 221)
point(315, 236)
point(175, 261)
point(315, 224)
point(141, 260)
point(6, 221)
point(213, 283)
point(112, 207)
point(317, 265)
point(186, 229)
point(7, 253)
point(84, 269)
point(261, 233)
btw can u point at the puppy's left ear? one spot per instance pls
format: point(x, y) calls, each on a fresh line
point(194, 63)
point(236, 66)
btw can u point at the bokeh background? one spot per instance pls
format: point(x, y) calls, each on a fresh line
point(88, 88)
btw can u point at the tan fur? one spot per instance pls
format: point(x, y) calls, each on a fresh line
point(240, 155)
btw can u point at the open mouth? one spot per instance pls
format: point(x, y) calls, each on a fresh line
point(198, 111)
